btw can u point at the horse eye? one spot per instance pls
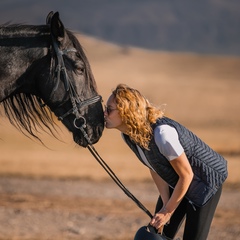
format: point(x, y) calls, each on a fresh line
point(79, 68)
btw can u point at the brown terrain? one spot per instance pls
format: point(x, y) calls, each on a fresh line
point(60, 192)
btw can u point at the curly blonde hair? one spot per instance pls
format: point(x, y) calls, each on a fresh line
point(137, 113)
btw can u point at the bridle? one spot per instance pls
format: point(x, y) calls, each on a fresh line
point(76, 101)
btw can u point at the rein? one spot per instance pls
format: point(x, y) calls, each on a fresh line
point(117, 180)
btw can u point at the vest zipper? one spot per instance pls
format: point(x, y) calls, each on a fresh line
point(192, 205)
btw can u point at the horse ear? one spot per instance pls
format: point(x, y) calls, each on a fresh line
point(57, 27)
point(49, 17)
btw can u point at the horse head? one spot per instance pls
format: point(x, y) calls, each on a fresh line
point(72, 93)
point(59, 75)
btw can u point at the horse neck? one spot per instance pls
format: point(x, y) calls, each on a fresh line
point(20, 47)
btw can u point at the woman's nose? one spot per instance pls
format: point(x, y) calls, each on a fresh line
point(105, 112)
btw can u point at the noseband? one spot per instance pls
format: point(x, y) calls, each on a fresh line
point(76, 102)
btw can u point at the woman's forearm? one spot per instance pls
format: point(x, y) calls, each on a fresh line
point(185, 173)
point(178, 193)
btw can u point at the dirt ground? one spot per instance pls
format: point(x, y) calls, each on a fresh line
point(40, 209)
point(59, 191)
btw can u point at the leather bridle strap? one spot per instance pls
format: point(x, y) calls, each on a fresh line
point(77, 103)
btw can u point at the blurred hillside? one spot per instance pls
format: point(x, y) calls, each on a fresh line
point(201, 92)
point(206, 26)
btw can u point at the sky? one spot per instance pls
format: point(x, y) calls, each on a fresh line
point(87, 16)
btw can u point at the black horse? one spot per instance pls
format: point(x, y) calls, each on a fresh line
point(46, 66)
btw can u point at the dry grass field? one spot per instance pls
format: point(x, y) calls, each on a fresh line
point(41, 186)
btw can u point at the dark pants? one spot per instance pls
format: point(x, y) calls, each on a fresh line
point(198, 220)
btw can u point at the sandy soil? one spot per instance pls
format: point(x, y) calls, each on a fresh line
point(40, 209)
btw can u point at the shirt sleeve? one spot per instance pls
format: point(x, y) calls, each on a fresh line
point(166, 138)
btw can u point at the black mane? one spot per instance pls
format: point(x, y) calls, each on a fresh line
point(25, 111)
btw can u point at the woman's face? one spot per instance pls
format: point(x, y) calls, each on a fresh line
point(112, 117)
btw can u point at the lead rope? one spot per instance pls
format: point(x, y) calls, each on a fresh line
point(117, 180)
point(121, 185)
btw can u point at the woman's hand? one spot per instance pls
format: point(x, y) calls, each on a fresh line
point(183, 169)
point(160, 219)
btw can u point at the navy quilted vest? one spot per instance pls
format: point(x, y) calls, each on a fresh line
point(209, 168)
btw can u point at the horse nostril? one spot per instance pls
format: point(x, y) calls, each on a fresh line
point(99, 131)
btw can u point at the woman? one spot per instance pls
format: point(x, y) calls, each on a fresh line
point(188, 173)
